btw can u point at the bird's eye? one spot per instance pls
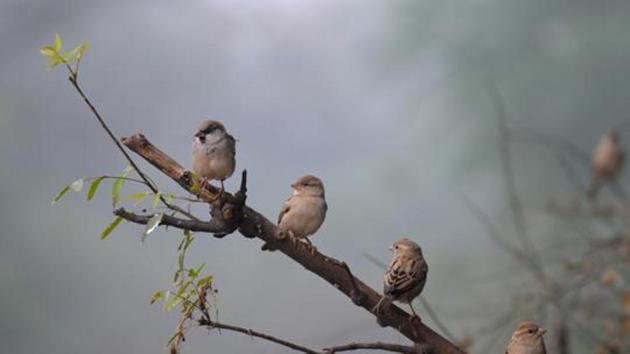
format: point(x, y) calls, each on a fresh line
point(531, 331)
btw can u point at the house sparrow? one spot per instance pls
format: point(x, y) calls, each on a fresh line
point(607, 161)
point(304, 212)
point(406, 274)
point(527, 339)
point(213, 151)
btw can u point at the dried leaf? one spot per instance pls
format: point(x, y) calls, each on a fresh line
point(77, 185)
point(152, 224)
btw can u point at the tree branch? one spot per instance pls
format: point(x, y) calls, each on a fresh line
point(192, 225)
point(253, 224)
point(516, 207)
point(250, 332)
point(396, 348)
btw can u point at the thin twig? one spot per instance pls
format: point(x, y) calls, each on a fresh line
point(75, 83)
point(396, 348)
point(494, 234)
point(571, 174)
point(508, 174)
point(129, 179)
point(434, 317)
point(552, 142)
point(192, 225)
point(250, 332)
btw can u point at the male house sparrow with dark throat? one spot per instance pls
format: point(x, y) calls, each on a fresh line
point(213, 153)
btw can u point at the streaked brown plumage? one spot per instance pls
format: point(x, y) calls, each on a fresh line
point(304, 212)
point(527, 339)
point(607, 161)
point(406, 274)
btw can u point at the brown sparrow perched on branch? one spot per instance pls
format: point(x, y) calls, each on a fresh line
point(607, 161)
point(213, 151)
point(527, 339)
point(406, 274)
point(304, 212)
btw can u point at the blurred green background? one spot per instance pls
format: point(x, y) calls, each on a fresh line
point(384, 100)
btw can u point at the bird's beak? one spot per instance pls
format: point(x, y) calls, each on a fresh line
point(391, 248)
point(199, 134)
point(541, 331)
point(294, 185)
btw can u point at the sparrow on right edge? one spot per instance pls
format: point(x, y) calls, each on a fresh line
point(405, 276)
point(303, 213)
point(527, 339)
point(607, 161)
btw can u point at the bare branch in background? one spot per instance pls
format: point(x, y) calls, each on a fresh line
point(516, 207)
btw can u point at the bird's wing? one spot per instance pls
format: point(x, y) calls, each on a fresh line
point(232, 144)
point(285, 208)
point(404, 274)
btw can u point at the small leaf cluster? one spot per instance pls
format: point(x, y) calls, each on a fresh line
point(190, 292)
point(117, 198)
point(56, 56)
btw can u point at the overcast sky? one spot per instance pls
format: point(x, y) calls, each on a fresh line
point(383, 100)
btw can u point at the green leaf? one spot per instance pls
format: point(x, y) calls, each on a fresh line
point(157, 296)
point(77, 185)
point(58, 42)
point(205, 280)
point(108, 230)
point(193, 273)
point(71, 55)
point(180, 261)
point(94, 187)
point(82, 49)
point(152, 224)
point(118, 185)
point(156, 200)
point(186, 240)
point(56, 60)
point(138, 197)
point(48, 51)
point(195, 188)
point(60, 195)
point(75, 55)
point(174, 299)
